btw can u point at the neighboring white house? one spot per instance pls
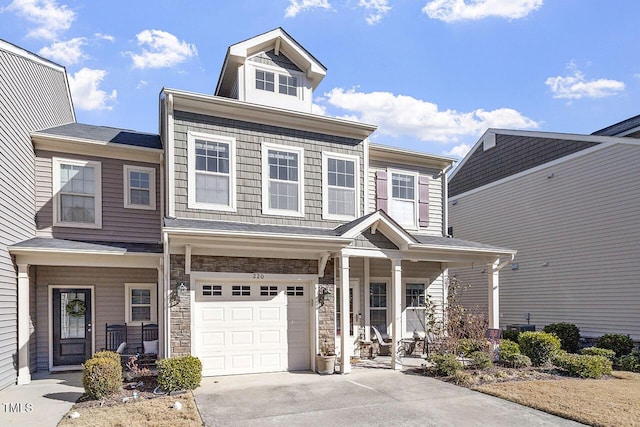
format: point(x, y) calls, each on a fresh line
point(569, 204)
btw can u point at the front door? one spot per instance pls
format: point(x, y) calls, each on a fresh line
point(72, 343)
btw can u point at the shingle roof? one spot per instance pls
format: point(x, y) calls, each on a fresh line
point(620, 127)
point(89, 246)
point(456, 243)
point(106, 134)
point(196, 224)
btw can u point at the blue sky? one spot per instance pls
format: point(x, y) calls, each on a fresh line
point(433, 75)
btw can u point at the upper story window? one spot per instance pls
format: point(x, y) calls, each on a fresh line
point(340, 177)
point(211, 172)
point(403, 203)
point(265, 80)
point(288, 85)
point(139, 187)
point(282, 180)
point(77, 193)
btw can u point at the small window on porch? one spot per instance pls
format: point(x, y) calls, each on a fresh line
point(141, 303)
point(415, 308)
point(339, 311)
point(378, 306)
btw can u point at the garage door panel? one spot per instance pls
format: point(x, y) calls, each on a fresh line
point(241, 338)
point(241, 314)
point(212, 339)
point(270, 314)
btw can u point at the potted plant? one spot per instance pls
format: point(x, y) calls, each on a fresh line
point(325, 360)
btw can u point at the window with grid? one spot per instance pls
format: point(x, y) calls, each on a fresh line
point(378, 306)
point(139, 187)
point(270, 291)
point(402, 205)
point(283, 180)
point(241, 290)
point(341, 187)
point(288, 85)
point(265, 80)
point(339, 311)
point(414, 307)
point(211, 290)
point(297, 291)
point(77, 193)
point(140, 302)
point(212, 172)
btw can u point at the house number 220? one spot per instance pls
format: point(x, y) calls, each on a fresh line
point(258, 276)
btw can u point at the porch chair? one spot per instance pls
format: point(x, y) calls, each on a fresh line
point(148, 353)
point(381, 342)
point(115, 339)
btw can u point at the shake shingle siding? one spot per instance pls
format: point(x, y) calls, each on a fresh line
point(511, 154)
point(249, 138)
point(33, 96)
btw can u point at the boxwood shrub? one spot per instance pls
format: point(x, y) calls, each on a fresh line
point(583, 365)
point(445, 364)
point(109, 354)
point(508, 349)
point(510, 335)
point(596, 351)
point(630, 362)
point(519, 361)
point(102, 376)
point(568, 333)
point(466, 346)
point(619, 343)
point(179, 373)
point(538, 346)
point(479, 360)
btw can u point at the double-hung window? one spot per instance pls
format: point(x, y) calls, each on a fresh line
point(378, 306)
point(340, 177)
point(140, 302)
point(402, 203)
point(211, 172)
point(77, 193)
point(265, 80)
point(414, 307)
point(282, 180)
point(288, 85)
point(139, 187)
point(268, 81)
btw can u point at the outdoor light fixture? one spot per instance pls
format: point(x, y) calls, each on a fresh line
point(323, 292)
point(177, 293)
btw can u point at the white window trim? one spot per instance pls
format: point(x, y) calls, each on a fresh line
point(387, 283)
point(127, 169)
point(325, 185)
point(416, 191)
point(57, 220)
point(277, 71)
point(265, 180)
point(127, 300)
point(425, 283)
point(191, 165)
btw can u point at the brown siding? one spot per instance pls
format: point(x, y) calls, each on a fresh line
point(118, 223)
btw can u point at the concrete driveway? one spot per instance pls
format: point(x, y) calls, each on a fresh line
point(372, 397)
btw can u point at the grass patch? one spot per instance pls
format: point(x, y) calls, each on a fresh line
point(605, 402)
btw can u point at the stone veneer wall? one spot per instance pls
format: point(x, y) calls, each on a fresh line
point(180, 340)
point(326, 313)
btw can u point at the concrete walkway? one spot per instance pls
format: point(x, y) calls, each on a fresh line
point(43, 402)
point(367, 396)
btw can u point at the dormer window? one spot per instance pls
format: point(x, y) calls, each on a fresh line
point(288, 85)
point(264, 80)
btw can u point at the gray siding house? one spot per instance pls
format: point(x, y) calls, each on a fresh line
point(35, 95)
point(569, 205)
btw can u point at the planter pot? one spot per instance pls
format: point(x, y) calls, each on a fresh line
point(325, 365)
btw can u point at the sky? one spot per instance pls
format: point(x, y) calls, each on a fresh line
point(433, 75)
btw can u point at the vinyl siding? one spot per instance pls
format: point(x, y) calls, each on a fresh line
point(118, 223)
point(435, 192)
point(249, 138)
point(583, 221)
point(34, 96)
point(109, 297)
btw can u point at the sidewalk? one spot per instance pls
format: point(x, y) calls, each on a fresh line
point(43, 402)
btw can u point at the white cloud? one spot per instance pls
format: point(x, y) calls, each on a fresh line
point(377, 8)
point(105, 37)
point(141, 84)
point(297, 6)
point(66, 53)
point(319, 109)
point(460, 10)
point(86, 92)
point(400, 115)
point(50, 18)
point(576, 86)
point(161, 49)
point(459, 151)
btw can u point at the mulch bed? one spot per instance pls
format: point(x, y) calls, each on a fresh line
point(144, 386)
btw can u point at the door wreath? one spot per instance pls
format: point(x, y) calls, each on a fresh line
point(76, 307)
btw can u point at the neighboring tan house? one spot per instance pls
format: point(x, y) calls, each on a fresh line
point(269, 207)
point(569, 204)
point(236, 228)
point(34, 94)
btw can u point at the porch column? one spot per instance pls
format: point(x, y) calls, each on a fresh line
point(345, 344)
point(396, 311)
point(494, 295)
point(24, 374)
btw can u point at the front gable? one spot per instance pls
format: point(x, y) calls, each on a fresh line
point(376, 230)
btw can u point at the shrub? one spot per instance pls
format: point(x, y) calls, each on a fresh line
point(596, 351)
point(479, 360)
point(568, 333)
point(179, 373)
point(462, 378)
point(445, 364)
point(630, 362)
point(109, 354)
point(466, 346)
point(519, 361)
point(583, 365)
point(508, 349)
point(619, 343)
point(102, 376)
point(510, 335)
point(538, 346)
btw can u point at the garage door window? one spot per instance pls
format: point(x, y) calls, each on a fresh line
point(268, 291)
point(297, 291)
point(211, 290)
point(241, 290)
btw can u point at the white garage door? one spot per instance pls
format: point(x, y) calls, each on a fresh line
point(251, 328)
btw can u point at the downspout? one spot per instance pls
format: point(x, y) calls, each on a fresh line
point(166, 285)
point(445, 201)
point(501, 266)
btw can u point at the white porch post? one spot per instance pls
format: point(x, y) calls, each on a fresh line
point(494, 295)
point(345, 345)
point(24, 374)
point(396, 311)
